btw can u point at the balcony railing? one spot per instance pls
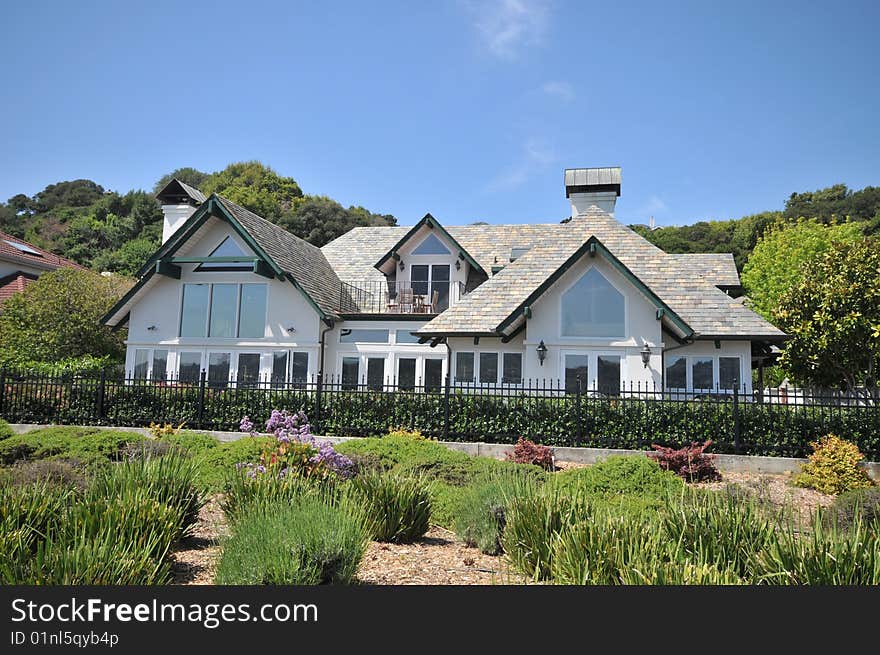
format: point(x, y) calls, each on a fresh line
point(398, 297)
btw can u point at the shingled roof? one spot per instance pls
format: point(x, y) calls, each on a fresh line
point(717, 268)
point(707, 311)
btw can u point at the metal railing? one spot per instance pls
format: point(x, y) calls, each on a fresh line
point(547, 411)
point(398, 297)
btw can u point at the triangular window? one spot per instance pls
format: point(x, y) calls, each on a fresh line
point(592, 307)
point(431, 246)
point(227, 248)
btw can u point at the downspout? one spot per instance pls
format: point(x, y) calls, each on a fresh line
point(330, 326)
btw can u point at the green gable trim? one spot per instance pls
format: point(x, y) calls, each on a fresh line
point(432, 223)
point(214, 260)
point(164, 267)
point(593, 246)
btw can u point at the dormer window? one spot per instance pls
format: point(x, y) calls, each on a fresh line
point(227, 248)
point(431, 246)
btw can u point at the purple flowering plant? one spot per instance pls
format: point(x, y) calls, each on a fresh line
point(296, 451)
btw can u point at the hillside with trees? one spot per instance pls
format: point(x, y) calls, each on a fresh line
point(112, 231)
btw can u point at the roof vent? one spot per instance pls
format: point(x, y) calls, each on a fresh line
point(592, 187)
point(518, 251)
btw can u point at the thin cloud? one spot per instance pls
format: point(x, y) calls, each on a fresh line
point(536, 156)
point(507, 26)
point(651, 207)
point(562, 90)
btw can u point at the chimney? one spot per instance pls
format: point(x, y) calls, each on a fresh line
point(179, 201)
point(592, 187)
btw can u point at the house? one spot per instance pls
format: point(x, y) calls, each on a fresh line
point(585, 302)
point(21, 263)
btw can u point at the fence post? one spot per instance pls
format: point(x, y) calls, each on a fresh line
point(201, 408)
point(319, 388)
point(100, 402)
point(446, 409)
point(2, 388)
point(737, 428)
point(577, 411)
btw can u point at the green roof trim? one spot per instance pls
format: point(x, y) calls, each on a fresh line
point(593, 246)
point(431, 223)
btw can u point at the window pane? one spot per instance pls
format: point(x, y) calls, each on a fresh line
point(418, 275)
point(227, 248)
point(406, 373)
point(592, 307)
point(350, 367)
point(404, 336)
point(194, 314)
point(512, 371)
point(431, 246)
point(218, 369)
point(279, 366)
point(300, 373)
point(728, 372)
point(701, 373)
point(440, 284)
point(252, 317)
point(160, 364)
point(575, 370)
point(608, 367)
point(489, 367)
point(433, 374)
point(676, 373)
point(189, 366)
point(141, 361)
point(464, 367)
point(375, 372)
point(224, 299)
point(248, 367)
point(364, 336)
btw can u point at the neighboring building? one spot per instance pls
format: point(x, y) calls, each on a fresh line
point(239, 297)
point(21, 263)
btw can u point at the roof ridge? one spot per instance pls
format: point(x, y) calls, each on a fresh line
point(270, 224)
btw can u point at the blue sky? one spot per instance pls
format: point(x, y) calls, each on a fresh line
point(467, 109)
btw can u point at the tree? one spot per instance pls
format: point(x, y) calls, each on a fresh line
point(777, 262)
point(833, 317)
point(255, 186)
point(77, 193)
point(319, 219)
point(57, 317)
point(187, 175)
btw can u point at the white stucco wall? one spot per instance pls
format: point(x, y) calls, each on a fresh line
point(160, 306)
point(701, 349)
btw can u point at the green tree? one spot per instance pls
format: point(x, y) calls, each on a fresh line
point(779, 258)
point(833, 317)
point(57, 317)
point(255, 186)
point(128, 259)
point(319, 219)
point(187, 175)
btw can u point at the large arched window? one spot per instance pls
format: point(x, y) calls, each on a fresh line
point(592, 307)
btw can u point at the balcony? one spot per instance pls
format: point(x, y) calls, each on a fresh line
point(400, 297)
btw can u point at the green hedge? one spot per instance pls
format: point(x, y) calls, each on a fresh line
point(765, 429)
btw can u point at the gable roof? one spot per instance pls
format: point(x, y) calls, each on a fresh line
point(717, 268)
point(39, 258)
point(289, 257)
point(704, 309)
point(431, 223)
point(180, 192)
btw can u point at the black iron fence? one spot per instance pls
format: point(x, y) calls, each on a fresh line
point(546, 411)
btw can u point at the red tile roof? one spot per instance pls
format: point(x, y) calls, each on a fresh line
point(14, 283)
point(42, 258)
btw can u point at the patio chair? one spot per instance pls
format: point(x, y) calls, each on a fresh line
point(430, 307)
point(405, 301)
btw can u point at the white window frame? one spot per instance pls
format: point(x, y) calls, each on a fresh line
point(593, 354)
point(716, 373)
point(237, 326)
point(613, 283)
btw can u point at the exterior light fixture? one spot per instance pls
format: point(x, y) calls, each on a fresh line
point(457, 264)
point(401, 265)
point(151, 327)
point(291, 329)
point(542, 352)
point(646, 355)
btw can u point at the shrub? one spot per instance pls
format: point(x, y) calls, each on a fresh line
point(660, 572)
point(618, 475)
point(217, 459)
point(397, 509)
point(833, 467)
point(853, 505)
point(243, 491)
point(311, 542)
point(528, 452)
point(403, 433)
point(91, 446)
point(54, 472)
point(827, 556)
point(160, 430)
point(723, 530)
point(146, 449)
point(171, 480)
point(690, 463)
point(392, 450)
point(481, 513)
point(31, 511)
point(5, 430)
point(534, 522)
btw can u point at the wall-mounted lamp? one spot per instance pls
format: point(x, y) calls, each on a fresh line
point(291, 329)
point(457, 264)
point(542, 352)
point(646, 355)
point(401, 265)
point(151, 327)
